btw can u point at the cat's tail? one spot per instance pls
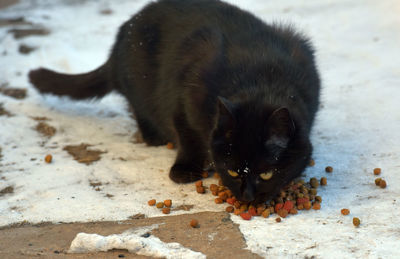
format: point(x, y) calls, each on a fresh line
point(94, 84)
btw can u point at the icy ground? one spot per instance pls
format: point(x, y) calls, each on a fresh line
point(357, 129)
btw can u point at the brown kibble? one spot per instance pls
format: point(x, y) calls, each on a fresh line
point(237, 204)
point(293, 211)
point(356, 222)
point(194, 223)
point(323, 181)
point(160, 205)
point(316, 206)
point(377, 171)
point(260, 210)
point(318, 199)
point(300, 207)
point(377, 181)
point(312, 162)
point(220, 182)
point(213, 187)
point(170, 145)
point(204, 174)
point(166, 210)
point(329, 169)
point(314, 182)
point(382, 184)
point(200, 189)
point(237, 212)
point(151, 202)
point(278, 219)
point(266, 213)
point(218, 201)
point(48, 158)
point(168, 203)
point(215, 193)
point(199, 183)
point(230, 209)
point(223, 195)
point(282, 213)
point(345, 211)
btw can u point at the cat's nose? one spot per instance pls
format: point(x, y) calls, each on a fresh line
point(248, 194)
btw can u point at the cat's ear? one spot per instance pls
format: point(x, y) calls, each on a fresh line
point(226, 118)
point(280, 128)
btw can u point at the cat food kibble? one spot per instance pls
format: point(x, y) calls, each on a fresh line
point(316, 206)
point(218, 201)
point(266, 213)
point(382, 183)
point(170, 145)
point(323, 181)
point(200, 189)
point(230, 209)
point(194, 223)
point(168, 203)
point(204, 174)
point(245, 216)
point(356, 222)
point(48, 158)
point(314, 182)
point(199, 183)
point(329, 169)
point(278, 219)
point(283, 213)
point(160, 205)
point(151, 202)
point(345, 211)
point(166, 210)
point(377, 181)
point(377, 171)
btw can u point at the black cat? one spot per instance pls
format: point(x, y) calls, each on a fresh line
point(216, 81)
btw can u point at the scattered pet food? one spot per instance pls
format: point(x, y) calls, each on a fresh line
point(345, 211)
point(160, 205)
point(323, 181)
point(356, 221)
point(151, 202)
point(48, 158)
point(377, 181)
point(194, 223)
point(382, 183)
point(170, 145)
point(166, 210)
point(377, 171)
point(329, 169)
point(278, 219)
point(168, 203)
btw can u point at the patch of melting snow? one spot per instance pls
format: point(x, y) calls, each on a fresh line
point(135, 241)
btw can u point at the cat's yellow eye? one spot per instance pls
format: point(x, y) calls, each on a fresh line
point(266, 176)
point(233, 173)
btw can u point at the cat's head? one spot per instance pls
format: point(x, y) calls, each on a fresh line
point(257, 150)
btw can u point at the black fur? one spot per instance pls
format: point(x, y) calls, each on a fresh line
point(216, 81)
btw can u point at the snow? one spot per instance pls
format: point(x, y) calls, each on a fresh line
point(134, 241)
point(357, 129)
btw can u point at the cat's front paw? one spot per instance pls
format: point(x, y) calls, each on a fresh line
point(182, 173)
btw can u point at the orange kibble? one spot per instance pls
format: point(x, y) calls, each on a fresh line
point(377, 171)
point(160, 205)
point(245, 216)
point(170, 145)
point(151, 202)
point(200, 189)
point(377, 181)
point(168, 203)
point(345, 211)
point(307, 205)
point(278, 219)
point(48, 158)
point(218, 201)
point(260, 210)
point(323, 181)
point(282, 213)
point(293, 211)
point(215, 193)
point(252, 211)
point(199, 183)
point(237, 212)
point(382, 184)
point(266, 213)
point(237, 204)
point(300, 207)
point(194, 223)
point(230, 209)
point(166, 210)
point(316, 206)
